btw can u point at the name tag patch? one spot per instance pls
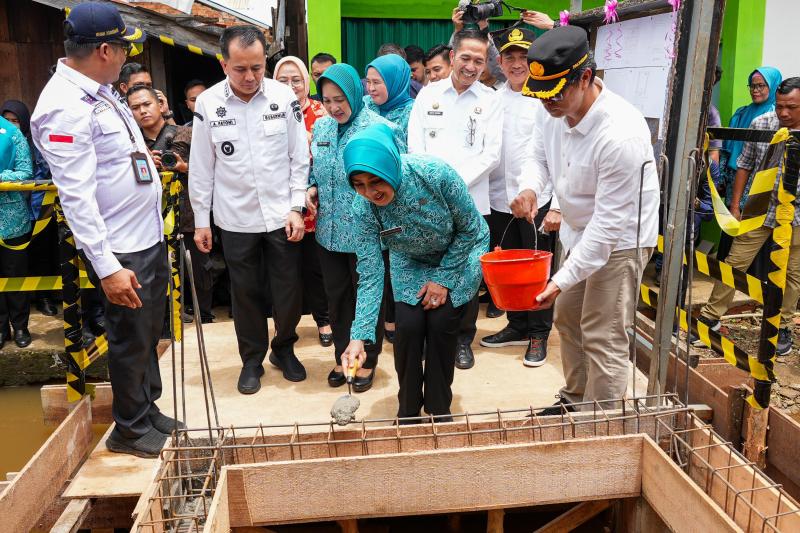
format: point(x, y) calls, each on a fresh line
point(100, 107)
point(323, 143)
point(436, 113)
point(273, 116)
point(221, 123)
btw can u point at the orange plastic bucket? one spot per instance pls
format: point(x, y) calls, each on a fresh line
point(516, 277)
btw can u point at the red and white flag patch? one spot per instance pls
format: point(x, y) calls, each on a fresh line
point(67, 139)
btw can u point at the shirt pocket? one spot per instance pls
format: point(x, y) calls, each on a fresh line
point(113, 136)
point(433, 127)
point(224, 139)
point(473, 134)
point(581, 180)
point(275, 126)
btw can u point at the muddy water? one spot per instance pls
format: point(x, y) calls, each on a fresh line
point(22, 428)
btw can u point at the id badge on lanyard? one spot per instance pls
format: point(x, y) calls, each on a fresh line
point(139, 160)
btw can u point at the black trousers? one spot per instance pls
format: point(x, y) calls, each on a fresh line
point(341, 285)
point(314, 299)
point(132, 338)
point(203, 278)
point(245, 253)
point(436, 333)
point(388, 294)
point(43, 257)
point(520, 235)
point(15, 307)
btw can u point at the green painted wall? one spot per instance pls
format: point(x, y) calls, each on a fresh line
point(324, 27)
point(742, 49)
point(442, 9)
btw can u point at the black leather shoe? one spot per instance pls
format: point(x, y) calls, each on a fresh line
point(388, 334)
point(558, 408)
point(165, 424)
point(148, 445)
point(336, 379)
point(493, 312)
point(22, 338)
point(47, 307)
point(4, 336)
point(290, 365)
point(363, 384)
point(536, 354)
point(505, 337)
point(250, 379)
point(465, 358)
point(325, 339)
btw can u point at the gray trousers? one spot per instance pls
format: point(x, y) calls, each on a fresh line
point(133, 335)
point(593, 319)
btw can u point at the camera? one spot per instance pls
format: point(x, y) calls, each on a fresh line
point(477, 11)
point(168, 159)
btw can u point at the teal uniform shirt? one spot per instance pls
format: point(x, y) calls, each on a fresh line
point(398, 115)
point(442, 238)
point(15, 165)
point(334, 217)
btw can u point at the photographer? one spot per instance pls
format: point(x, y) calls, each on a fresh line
point(169, 146)
point(492, 65)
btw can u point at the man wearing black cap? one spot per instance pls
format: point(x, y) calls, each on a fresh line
point(111, 195)
point(524, 328)
point(591, 148)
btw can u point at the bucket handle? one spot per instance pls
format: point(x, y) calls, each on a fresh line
point(535, 235)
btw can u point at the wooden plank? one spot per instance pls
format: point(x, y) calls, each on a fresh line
point(782, 439)
point(580, 514)
point(736, 484)
point(411, 483)
point(56, 407)
point(106, 474)
point(681, 504)
point(494, 521)
point(218, 520)
point(754, 435)
point(73, 516)
point(40, 481)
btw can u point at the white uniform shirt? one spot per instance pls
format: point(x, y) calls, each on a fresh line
point(595, 169)
point(520, 114)
point(249, 159)
point(85, 142)
point(465, 130)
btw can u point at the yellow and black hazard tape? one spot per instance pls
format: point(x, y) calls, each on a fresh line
point(713, 339)
point(173, 187)
point(39, 283)
point(726, 274)
point(45, 213)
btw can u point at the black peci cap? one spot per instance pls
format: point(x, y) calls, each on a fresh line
point(519, 37)
point(552, 58)
point(99, 22)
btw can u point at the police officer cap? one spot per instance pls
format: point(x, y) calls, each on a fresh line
point(519, 37)
point(99, 22)
point(553, 58)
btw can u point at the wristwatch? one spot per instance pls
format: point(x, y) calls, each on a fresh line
point(297, 209)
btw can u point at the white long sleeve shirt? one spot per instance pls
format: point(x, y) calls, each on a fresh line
point(249, 159)
point(595, 168)
point(465, 130)
point(520, 114)
point(79, 127)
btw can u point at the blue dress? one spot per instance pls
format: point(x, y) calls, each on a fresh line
point(335, 217)
point(398, 115)
point(442, 239)
point(15, 165)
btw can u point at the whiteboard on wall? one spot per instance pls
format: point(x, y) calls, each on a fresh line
point(636, 57)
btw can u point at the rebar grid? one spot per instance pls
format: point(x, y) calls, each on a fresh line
point(692, 448)
point(192, 464)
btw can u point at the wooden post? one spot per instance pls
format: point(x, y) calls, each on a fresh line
point(580, 514)
point(495, 521)
point(754, 429)
point(348, 526)
point(73, 516)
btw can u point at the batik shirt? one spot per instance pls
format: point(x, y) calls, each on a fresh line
point(399, 115)
point(15, 155)
point(441, 239)
point(334, 216)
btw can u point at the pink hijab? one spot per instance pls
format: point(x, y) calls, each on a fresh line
point(296, 61)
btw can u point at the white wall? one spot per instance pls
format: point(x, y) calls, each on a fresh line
point(780, 32)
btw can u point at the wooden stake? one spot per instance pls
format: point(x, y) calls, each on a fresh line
point(495, 522)
point(348, 526)
point(580, 514)
point(754, 431)
point(73, 516)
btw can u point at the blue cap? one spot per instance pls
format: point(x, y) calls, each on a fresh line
point(99, 22)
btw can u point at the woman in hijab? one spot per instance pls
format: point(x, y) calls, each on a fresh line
point(388, 85)
point(330, 199)
point(15, 224)
point(292, 71)
point(43, 250)
point(763, 83)
point(419, 208)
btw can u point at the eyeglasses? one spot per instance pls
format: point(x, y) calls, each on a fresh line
point(471, 128)
point(758, 87)
point(560, 96)
point(294, 82)
point(125, 45)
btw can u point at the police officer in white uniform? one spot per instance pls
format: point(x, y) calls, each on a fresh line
point(460, 120)
point(250, 160)
point(111, 195)
point(525, 328)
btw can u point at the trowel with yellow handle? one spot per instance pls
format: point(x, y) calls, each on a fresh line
point(344, 409)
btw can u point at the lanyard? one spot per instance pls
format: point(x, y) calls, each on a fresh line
point(125, 122)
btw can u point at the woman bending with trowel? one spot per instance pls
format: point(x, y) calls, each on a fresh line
point(419, 208)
